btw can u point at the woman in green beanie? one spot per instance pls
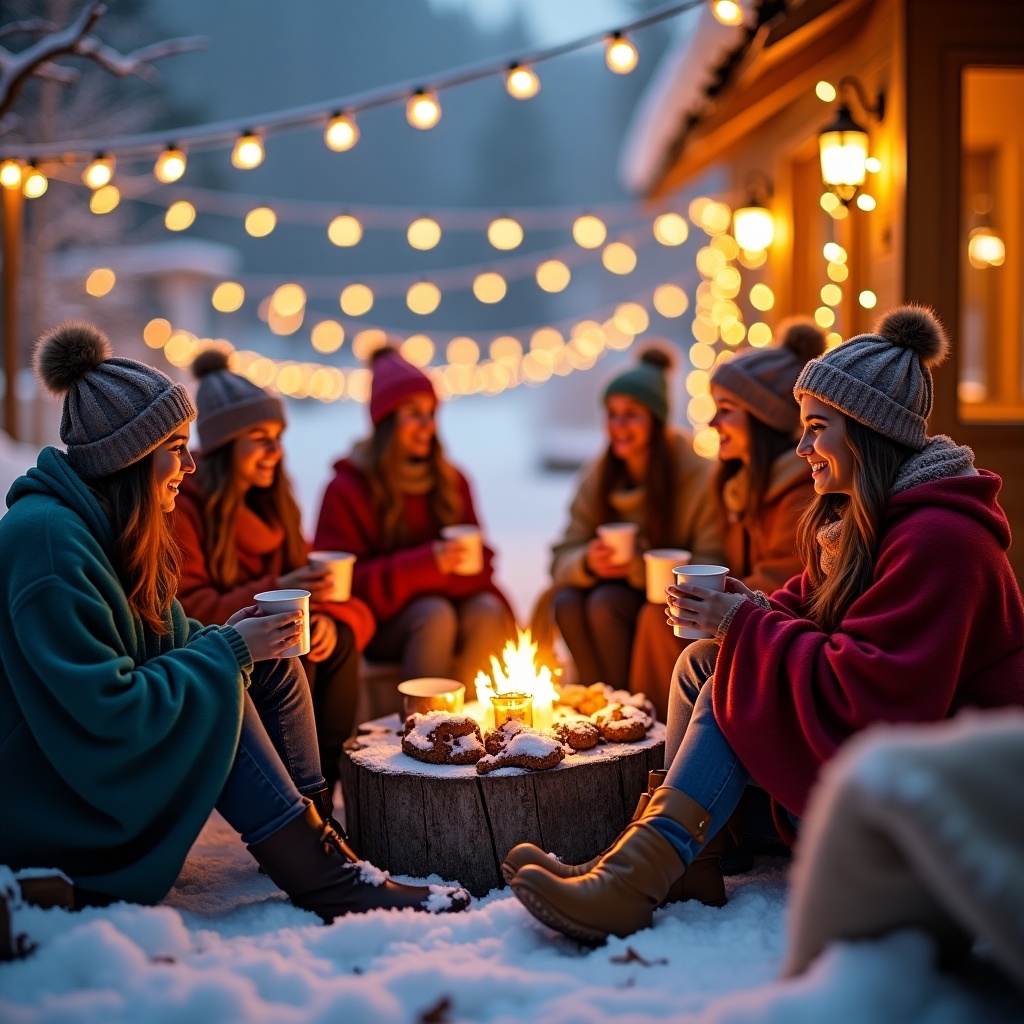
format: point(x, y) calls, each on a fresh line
point(648, 475)
point(124, 722)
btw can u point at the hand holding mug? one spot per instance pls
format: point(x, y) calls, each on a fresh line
point(447, 556)
point(316, 579)
point(268, 636)
point(601, 560)
point(693, 607)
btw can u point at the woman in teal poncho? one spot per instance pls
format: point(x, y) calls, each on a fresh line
point(122, 722)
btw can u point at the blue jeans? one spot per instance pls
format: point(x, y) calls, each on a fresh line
point(277, 760)
point(700, 761)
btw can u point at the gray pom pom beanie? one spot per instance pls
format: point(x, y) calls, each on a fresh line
point(116, 411)
point(229, 404)
point(883, 379)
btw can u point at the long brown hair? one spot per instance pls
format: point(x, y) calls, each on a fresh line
point(659, 485)
point(876, 461)
point(145, 555)
point(388, 500)
point(223, 500)
point(766, 445)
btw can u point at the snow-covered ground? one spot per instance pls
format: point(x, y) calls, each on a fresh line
point(226, 947)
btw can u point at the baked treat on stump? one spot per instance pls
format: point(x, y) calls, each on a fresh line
point(439, 737)
point(585, 699)
point(636, 700)
point(526, 749)
point(577, 733)
point(498, 739)
point(622, 723)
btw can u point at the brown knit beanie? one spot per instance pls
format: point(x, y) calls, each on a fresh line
point(228, 403)
point(116, 411)
point(761, 380)
point(883, 379)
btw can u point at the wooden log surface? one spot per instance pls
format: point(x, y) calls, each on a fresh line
point(415, 819)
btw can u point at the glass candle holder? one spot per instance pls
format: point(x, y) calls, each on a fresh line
point(512, 705)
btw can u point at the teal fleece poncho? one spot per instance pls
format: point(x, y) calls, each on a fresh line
point(115, 743)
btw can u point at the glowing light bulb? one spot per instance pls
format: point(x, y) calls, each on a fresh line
point(423, 233)
point(34, 183)
point(825, 91)
point(248, 152)
point(522, 82)
point(504, 233)
point(170, 165)
point(727, 12)
point(620, 54)
point(99, 172)
point(342, 133)
point(10, 174)
point(423, 110)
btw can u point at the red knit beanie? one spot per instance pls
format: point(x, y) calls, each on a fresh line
point(394, 380)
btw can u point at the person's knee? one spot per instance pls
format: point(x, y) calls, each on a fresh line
point(436, 616)
point(567, 605)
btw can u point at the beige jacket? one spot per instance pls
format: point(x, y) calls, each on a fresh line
point(696, 526)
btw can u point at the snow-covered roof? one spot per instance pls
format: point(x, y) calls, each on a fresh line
point(677, 91)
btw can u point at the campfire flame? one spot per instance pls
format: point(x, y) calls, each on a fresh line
point(518, 672)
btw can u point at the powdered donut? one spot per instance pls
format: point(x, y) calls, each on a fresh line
point(439, 737)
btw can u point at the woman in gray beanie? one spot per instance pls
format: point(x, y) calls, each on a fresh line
point(124, 722)
point(650, 476)
point(239, 530)
point(907, 610)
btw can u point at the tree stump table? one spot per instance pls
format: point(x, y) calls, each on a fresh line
point(419, 819)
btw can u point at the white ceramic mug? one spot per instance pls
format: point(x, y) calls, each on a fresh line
point(660, 563)
point(471, 547)
point(431, 693)
point(709, 577)
point(273, 602)
point(621, 538)
point(340, 565)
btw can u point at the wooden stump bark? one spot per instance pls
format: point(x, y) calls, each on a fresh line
point(461, 826)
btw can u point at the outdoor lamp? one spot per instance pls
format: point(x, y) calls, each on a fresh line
point(34, 183)
point(620, 54)
point(99, 172)
point(423, 111)
point(341, 133)
point(248, 152)
point(843, 145)
point(522, 82)
point(753, 226)
point(170, 165)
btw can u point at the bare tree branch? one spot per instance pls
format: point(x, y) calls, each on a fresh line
point(137, 62)
point(58, 73)
point(33, 25)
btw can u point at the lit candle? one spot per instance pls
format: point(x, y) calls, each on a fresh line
point(512, 705)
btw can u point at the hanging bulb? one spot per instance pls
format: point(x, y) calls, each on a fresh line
point(423, 111)
point(522, 82)
point(34, 183)
point(620, 54)
point(248, 152)
point(170, 165)
point(99, 172)
point(341, 133)
point(10, 174)
point(728, 12)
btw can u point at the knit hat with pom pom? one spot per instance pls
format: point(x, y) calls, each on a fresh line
point(394, 380)
point(761, 380)
point(883, 379)
point(229, 404)
point(647, 381)
point(116, 411)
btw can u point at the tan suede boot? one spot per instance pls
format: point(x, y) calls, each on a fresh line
point(526, 853)
point(619, 895)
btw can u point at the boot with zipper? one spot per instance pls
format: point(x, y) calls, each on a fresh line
point(314, 866)
point(702, 881)
point(619, 894)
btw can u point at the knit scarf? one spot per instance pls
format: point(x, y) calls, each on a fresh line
point(940, 458)
point(411, 476)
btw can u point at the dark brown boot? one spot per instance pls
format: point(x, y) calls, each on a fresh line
point(703, 880)
point(324, 804)
point(310, 862)
point(526, 853)
point(619, 895)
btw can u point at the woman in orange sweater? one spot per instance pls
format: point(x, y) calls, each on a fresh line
point(239, 530)
point(760, 489)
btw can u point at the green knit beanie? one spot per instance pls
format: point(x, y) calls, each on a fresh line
point(647, 382)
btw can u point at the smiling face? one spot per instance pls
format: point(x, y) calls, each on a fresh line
point(824, 445)
point(415, 427)
point(171, 461)
point(733, 426)
point(257, 454)
point(629, 424)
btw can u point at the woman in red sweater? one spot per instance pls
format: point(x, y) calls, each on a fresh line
point(907, 611)
point(239, 530)
point(388, 502)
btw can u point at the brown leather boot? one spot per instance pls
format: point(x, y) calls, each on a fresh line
point(310, 862)
point(619, 895)
point(527, 853)
point(703, 880)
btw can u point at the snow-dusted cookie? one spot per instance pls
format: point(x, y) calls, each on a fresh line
point(526, 749)
point(439, 737)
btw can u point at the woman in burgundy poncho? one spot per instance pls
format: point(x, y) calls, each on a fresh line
point(907, 611)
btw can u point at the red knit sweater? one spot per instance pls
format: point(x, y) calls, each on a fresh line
point(940, 627)
point(260, 548)
point(387, 581)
